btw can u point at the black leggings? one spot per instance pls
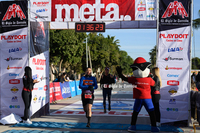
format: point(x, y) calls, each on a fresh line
point(26, 96)
point(155, 100)
point(106, 91)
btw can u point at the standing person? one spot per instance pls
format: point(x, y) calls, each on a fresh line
point(106, 83)
point(155, 93)
point(88, 84)
point(193, 77)
point(28, 83)
point(198, 81)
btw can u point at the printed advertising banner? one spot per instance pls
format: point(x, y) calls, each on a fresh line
point(145, 9)
point(40, 71)
point(173, 59)
point(117, 14)
point(14, 55)
point(40, 10)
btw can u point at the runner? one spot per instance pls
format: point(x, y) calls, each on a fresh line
point(106, 83)
point(88, 84)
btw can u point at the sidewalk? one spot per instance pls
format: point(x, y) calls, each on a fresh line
point(82, 119)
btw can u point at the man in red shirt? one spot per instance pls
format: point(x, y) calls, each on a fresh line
point(142, 91)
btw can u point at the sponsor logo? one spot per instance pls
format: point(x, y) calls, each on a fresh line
point(141, 6)
point(14, 81)
point(11, 58)
point(41, 10)
point(170, 58)
point(45, 87)
point(13, 11)
point(35, 88)
point(174, 8)
point(172, 101)
point(172, 75)
point(140, 16)
point(172, 109)
point(39, 4)
point(95, 12)
point(173, 68)
point(35, 99)
point(43, 78)
point(40, 88)
point(13, 74)
point(14, 89)
point(65, 90)
point(150, 16)
point(39, 99)
point(8, 68)
point(172, 91)
point(182, 36)
point(73, 88)
point(15, 50)
point(177, 49)
point(13, 37)
point(14, 106)
point(35, 76)
point(151, 8)
point(14, 99)
point(173, 82)
point(39, 61)
point(39, 68)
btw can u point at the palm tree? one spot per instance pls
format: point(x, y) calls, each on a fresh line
point(196, 22)
point(152, 54)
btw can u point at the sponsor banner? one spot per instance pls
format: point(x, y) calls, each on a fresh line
point(51, 93)
point(13, 15)
point(15, 40)
point(12, 104)
point(39, 38)
point(65, 90)
point(97, 10)
point(145, 9)
point(173, 44)
point(57, 91)
point(40, 72)
point(173, 110)
point(40, 10)
point(174, 12)
point(78, 90)
point(72, 88)
point(173, 59)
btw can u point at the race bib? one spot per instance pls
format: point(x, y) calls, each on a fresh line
point(88, 96)
point(106, 86)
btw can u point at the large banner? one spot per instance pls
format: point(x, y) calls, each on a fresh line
point(118, 14)
point(14, 55)
point(173, 59)
point(40, 71)
point(40, 10)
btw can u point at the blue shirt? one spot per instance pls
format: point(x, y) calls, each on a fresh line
point(87, 81)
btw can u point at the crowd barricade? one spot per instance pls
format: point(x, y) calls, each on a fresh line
point(60, 90)
point(78, 90)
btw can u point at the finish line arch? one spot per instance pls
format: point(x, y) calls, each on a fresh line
point(173, 43)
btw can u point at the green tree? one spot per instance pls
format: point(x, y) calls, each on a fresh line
point(125, 62)
point(152, 55)
point(66, 49)
point(195, 63)
point(196, 22)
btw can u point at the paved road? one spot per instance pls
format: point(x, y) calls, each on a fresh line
point(73, 104)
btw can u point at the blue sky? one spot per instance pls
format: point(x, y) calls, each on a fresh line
point(139, 42)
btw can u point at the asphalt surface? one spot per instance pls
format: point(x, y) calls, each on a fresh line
point(122, 93)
